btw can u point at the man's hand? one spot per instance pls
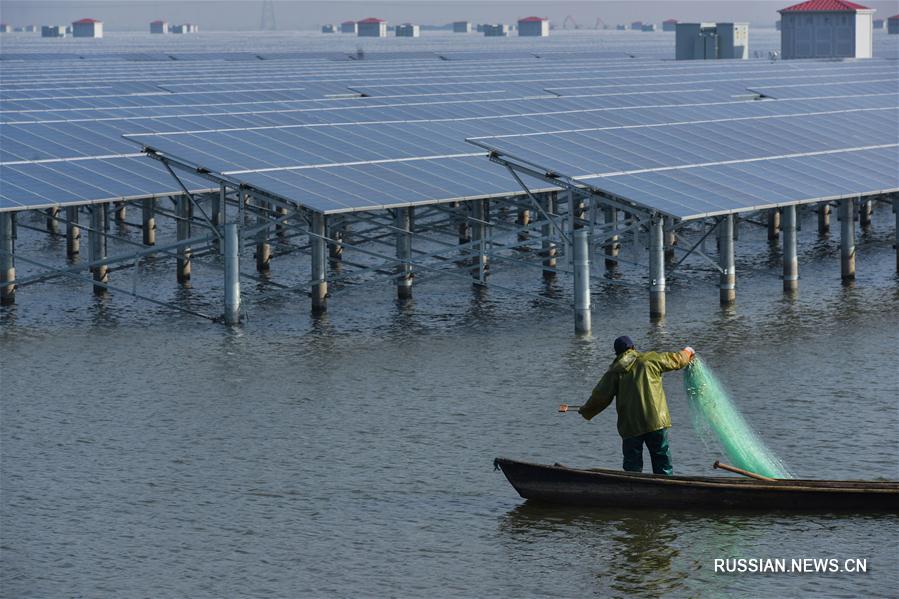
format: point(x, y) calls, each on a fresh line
point(690, 351)
point(563, 407)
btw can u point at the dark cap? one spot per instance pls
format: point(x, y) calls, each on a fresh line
point(623, 344)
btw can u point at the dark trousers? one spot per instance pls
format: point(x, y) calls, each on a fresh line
point(659, 453)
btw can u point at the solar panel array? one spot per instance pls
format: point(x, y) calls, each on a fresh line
point(357, 135)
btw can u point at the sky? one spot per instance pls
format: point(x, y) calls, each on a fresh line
point(215, 15)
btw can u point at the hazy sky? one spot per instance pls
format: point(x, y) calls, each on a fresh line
point(297, 14)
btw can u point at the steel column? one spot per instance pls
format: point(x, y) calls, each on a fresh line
point(403, 222)
point(790, 254)
point(120, 212)
point(148, 218)
point(524, 218)
point(319, 263)
point(610, 216)
point(773, 224)
point(657, 267)
point(52, 223)
point(218, 214)
point(480, 215)
point(263, 249)
point(548, 247)
point(847, 240)
point(283, 226)
point(823, 218)
point(96, 238)
point(7, 258)
point(582, 281)
point(232, 274)
point(335, 250)
point(727, 282)
point(865, 211)
point(670, 239)
point(183, 231)
point(73, 232)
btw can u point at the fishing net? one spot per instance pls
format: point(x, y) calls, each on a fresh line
point(715, 417)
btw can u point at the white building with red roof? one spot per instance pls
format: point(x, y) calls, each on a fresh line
point(826, 29)
point(372, 27)
point(87, 28)
point(533, 27)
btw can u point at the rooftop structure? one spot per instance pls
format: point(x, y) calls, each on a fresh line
point(408, 30)
point(498, 30)
point(349, 27)
point(826, 29)
point(669, 25)
point(4, 28)
point(703, 41)
point(329, 28)
point(87, 28)
point(533, 27)
point(462, 27)
point(893, 24)
point(648, 27)
point(372, 27)
point(159, 27)
point(637, 26)
point(53, 30)
point(879, 23)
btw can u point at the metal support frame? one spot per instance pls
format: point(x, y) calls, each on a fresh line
point(790, 255)
point(263, 249)
point(657, 267)
point(403, 222)
point(73, 232)
point(865, 211)
point(480, 218)
point(727, 279)
point(582, 299)
point(148, 220)
point(317, 239)
point(7, 258)
point(53, 220)
point(121, 211)
point(547, 245)
point(218, 213)
point(670, 239)
point(97, 241)
point(847, 240)
point(183, 210)
point(612, 246)
point(773, 224)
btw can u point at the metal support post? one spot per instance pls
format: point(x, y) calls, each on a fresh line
point(335, 250)
point(403, 222)
point(464, 227)
point(790, 255)
point(7, 258)
point(96, 238)
point(319, 263)
point(657, 267)
point(847, 240)
point(148, 218)
point(896, 233)
point(582, 281)
point(524, 218)
point(52, 223)
point(773, 224)
point(480, 214)
point(283, 226)
point(263, 249)
point(232, 274)
point(727, 282)
point(548, 247)
point(610, 216)
point(120, 212)
point(183, 231)
point(823, 218)
point(73, 232)
point(865, 211)
point(218, 215)
point(670, 239)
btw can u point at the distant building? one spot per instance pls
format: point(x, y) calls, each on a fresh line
point(371, 27)
point(893, 24)
point(620, 27)
point(4, 28)
point(348, 27)
point(498, 30)
point(648, 27)
point(480, 27)
point(637, 26)
point(159, 27)
point(53, 30)
point(462, 27)
point(704, 41)
point(329, 29)
point(669, 25)
point(30, 28)
point(826, 29)
point(408, 30)
point(87, 28)
point(184, 28)
point(878, 23)
point(533, 27)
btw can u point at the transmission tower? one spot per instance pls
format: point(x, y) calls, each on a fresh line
point(267, 23)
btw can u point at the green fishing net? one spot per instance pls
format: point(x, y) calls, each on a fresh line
point(716, 418)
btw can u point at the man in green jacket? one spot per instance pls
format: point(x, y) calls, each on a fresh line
point(634, 380)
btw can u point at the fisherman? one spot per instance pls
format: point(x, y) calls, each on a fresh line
point(634, 380)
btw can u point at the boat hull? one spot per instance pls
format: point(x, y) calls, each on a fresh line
point(608, 488)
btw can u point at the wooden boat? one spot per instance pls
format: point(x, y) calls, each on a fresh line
point(596, 487)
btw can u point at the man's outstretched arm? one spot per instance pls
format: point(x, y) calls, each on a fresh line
point(603, 394)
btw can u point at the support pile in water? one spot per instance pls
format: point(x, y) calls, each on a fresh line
point(714, 414)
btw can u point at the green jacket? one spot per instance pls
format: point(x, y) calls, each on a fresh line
point(635, 380)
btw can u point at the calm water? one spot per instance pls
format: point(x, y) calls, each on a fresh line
point(146, 453)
